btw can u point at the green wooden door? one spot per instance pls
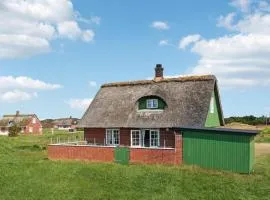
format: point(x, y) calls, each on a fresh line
point(121, 155)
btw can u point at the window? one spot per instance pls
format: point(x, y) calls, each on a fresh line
point(112, 137)
point(154, 138)
point(34, 120)
point(145, 138)
point(152, 103)
point(30, 129)
point(135, 138)
point(212, 102)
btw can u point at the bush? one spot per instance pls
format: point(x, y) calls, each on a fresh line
point(265, 131)
point(14, 130)
point(251, 120)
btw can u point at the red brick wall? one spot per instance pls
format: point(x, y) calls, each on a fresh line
point(100, 154)
point(35, 127)
point(98, 135)
point(158, 156)
point(106, 154)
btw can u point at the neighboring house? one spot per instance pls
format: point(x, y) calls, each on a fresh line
point(140, 113)
point(29, 123)
point(65, 123)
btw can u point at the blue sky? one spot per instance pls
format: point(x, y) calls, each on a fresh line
point(54, 55)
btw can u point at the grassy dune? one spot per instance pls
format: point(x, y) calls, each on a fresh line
point(26, 173)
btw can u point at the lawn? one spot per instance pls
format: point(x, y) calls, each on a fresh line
point(26, 173)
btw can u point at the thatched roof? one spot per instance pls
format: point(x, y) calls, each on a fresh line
point(65, 121)
point(21, 120)
point(187, 98)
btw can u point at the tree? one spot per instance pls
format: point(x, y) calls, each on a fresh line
point(14, 130)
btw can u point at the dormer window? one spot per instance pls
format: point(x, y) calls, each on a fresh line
point(151, 103)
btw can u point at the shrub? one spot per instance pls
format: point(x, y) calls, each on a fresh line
point(265, 131)
point(14, 130)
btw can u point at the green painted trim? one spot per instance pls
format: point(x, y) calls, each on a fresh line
point(143, 102)
point(213, 119)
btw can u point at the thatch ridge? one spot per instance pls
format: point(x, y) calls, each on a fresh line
point(165, 80)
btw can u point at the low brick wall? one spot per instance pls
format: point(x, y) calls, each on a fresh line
point(152, 156)
point(106, 154)
point(158, 155)
point(93, 153)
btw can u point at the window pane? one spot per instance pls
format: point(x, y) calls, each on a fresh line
point(109, 137)
point(149, 103)
point(154, 139)
point(116, 137)
point(152, 103)
point(155, 103)
point(135, 138)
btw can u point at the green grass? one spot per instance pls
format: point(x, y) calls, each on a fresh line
point(264, 136)
point(26, 173)
point(263, 139)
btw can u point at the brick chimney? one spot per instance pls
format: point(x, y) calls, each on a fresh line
point(17, 113)
point(158, 72)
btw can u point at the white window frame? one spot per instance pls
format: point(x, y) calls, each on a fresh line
point(132, 132)
point(151, 103)
point(158, 137)
point(111, 131)
point(141, 138)
point(30, 129)
point(34, 120)
point(212, 107)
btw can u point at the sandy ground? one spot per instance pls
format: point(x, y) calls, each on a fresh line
point(262, 148)
point(236, 125)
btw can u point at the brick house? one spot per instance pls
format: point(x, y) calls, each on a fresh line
point(29, 123)
point(160, 121)
point(140, 114)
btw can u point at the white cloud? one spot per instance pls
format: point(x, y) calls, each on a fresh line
point(14, 89)
point(28, 27)
point(13, 46)
point(88, 35)
point(80, 104)
point(71, 30)
point(160, 25)
point(188, 40)
point(226, 21)
point(163, 43)
point(243, 5)
point(92, 83)
point(240, 59)
point(95, 20)
point(22, 82)
point(16, 96)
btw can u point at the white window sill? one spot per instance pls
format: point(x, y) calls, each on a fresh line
point(139, 147)
point(151, 110)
